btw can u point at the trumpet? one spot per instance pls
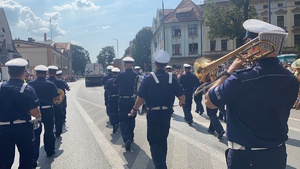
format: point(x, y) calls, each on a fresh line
point(206, 70)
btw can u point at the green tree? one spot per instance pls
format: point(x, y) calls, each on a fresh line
point(141, 50)
point(226, 21)
point(106, 56)
point(80, 57)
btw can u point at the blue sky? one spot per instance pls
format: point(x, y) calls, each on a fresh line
point(91, 24)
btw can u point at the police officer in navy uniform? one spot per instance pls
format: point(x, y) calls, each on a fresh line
point(258, 102)
point(137, 69)
point(125, 82)
point(159, 90)
point(189, 83)
point(113, 100)
point(58, 108)
point(64, 103)
point(168, 68)
point(46, 92)
point(198, 101)
point(105, 78)
point(18, 102)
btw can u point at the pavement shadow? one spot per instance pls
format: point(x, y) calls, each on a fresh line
point(289, 167)
point(177, 117)
point(137, 158)
point(293, 142)
point(108, 125)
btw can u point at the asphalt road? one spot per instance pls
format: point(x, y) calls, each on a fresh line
point(88, 142)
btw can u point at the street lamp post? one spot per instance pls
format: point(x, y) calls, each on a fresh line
point(117, 46)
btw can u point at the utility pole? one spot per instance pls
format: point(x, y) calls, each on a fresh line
point(50, 28)
point(269, 11)
point(163, 22)
point(117, 47)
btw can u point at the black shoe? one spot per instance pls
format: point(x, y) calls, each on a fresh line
point(115, 128)
point(190, 122)
point(197, 111)
point(34, 164)
point(210, 131)
point(201, 112)
point(220, 135)
point(50, 154)
point(127, 145)
point(58, 136)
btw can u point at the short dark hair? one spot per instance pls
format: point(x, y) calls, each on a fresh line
point(41, 72)
point(15, 71)
point(161, 65)
point(51, 71)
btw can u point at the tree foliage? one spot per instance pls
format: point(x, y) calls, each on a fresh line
point(227, 21)
point(80, 57)
point(106, 56)
point(141, 50)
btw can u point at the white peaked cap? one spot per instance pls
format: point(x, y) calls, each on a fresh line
point(17, 62)
point(109, 67)
point(116, 70)
point(258, 26)
point(59, 72)
point(41, 68)
point(128, 59)
point(137, 67)
point(168, 67)
point(187, 65)
point(52, 67)
point(161, 56)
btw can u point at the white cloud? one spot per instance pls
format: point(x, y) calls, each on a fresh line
point(105, 27)
point(63, 7)
point(73, 42)
point(23, 17)
point(78, 5)
point(86, 30)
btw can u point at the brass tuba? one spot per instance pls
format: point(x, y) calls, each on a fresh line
point(61, 97)
point(204, 67)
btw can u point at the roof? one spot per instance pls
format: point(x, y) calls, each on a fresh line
point(63, 45)
point(185, 6)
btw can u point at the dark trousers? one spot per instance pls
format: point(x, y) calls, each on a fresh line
point(198, 101)
point(20, 135)
point(158, 125)
point(59, 119)
point(48, 120)
point(113, 110)
point(215, 124)
point(222, 113)
point(127, 124)
point(260, 159)
point(106, 100)
point(188, 106)
point(36, 143)
point(64, 108)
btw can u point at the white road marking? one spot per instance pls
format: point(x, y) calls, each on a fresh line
point(294, 119)
point(112, 156)
point(91, 102)
point(295, 129)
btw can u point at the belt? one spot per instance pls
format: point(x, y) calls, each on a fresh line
point(159, 108)
point(126, 97)
point(46, 107)
point(113, 95)
point(236, 146)
point(14, 122)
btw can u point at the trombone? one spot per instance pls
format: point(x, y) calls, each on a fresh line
point(205, 70)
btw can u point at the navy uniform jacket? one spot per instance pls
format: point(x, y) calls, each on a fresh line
point(15, 105)
point(45, 90)
point(258, 102)
point(161, 94)
point(125, 82)
point(189, 82)
point(105, 78)
point(58, 83)
point(112, 90)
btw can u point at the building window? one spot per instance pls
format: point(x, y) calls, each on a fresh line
point(224, 45)
point(18, 45)
point(297, 20)
point(265, 6)
point(297, 3)
point(297, 40)
point(280, 5)
point(183, 14)
point(266, 19)
point(193, 48)
point(176, 49)
point(176, 31)
point(280, 21)
point(3, 30)
point(4, 43)
point(193, 29)
point(213, 45)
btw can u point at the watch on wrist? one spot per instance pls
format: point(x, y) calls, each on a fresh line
point(226, 74)
point(134, 109)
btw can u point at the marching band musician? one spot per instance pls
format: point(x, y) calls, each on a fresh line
point(137, 70)
point(189, 83)
point(46, 92)
point(18, 102)
point(256, 115)
point(113, 100)
point(58, 108)
point(125, 82)
point(105, 78)
point(159, 90)
point(64, 103)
